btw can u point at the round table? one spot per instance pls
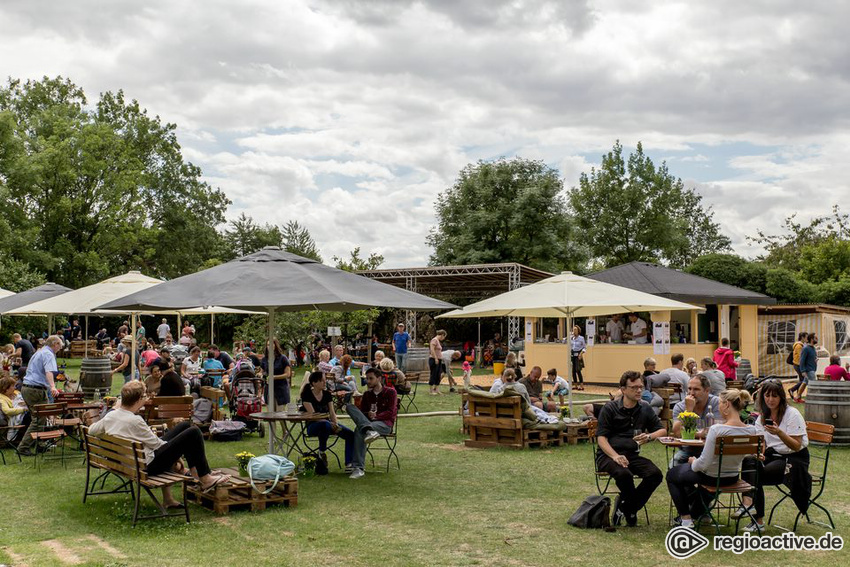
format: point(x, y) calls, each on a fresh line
point(293, 430)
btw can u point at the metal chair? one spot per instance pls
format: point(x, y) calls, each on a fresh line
point(6, 444)
point(819, 433)
point(50, 430)
point(390, 439)
point(601, 476)
point(748, 445)
point(406, 400)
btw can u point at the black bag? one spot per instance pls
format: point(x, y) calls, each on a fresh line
point(321, 464)
point(790, 359)
point(594, 513)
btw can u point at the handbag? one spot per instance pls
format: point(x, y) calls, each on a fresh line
point(268, 467)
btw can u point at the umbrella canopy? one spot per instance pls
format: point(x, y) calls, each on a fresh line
point(567, 295)
point(5, 293)
point(30, 296)
point(272, 279)
point(85, 300)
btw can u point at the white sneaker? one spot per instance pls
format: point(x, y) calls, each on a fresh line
point(753, 527)
point(371, 436)
point(358, 473)
point(742, 511)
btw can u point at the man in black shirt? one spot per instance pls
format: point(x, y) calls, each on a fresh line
point(225, 359)
point(624, 425)
point(23, 350)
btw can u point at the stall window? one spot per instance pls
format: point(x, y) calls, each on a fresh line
point(842, 341)
point(707, 325)
point(547, 330)
point(781, 336)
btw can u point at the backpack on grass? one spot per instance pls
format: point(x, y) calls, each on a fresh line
point(594, 513)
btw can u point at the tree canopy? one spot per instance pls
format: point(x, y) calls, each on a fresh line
point(87, 192)
point(634, 211)
point(508, 210)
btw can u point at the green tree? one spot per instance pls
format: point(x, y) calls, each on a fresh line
point(506, 211)
point(17, 276)
point(732, 270)
point(356, 263)
point(787, 287)
point(91, 191)
point(297, 240)
point(635, 211)
point(244, 236)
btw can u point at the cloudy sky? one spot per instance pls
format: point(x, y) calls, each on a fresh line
point(352, 116)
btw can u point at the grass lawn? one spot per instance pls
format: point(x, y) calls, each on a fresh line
point(448, 505)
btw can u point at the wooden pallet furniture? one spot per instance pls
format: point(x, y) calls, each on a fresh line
point(78, 348)
point(217, 397)
point(111, 456)
point(496, 421)
point(666, 415)
point(576, 432)
point(238, 494)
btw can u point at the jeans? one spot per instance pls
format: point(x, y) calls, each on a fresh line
point(632, 498)
point(801, 379)
point(32, 396)
point(683, 483)
point(183, 440)
point(400, 358)
point(324, 429)
point(362, 425)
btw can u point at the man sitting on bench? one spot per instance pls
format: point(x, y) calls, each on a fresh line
point(184, 440)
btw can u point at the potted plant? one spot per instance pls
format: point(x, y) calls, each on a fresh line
point(242, 460)
point(689, 424)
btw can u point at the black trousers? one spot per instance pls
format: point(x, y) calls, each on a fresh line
point(184, 440)
point(771, 472)
point(632, 498)
point(577, 376)
point(435, 368)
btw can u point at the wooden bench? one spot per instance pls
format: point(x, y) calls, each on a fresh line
point(497, 422)
point(78, 348)
point(125, 459)
point(167, 410)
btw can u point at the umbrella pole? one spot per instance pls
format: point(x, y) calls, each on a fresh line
point(212, 328)
point(86, 338)
point(270, 366)
point(570, 364)
point(133, 346)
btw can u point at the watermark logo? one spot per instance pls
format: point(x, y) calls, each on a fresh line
point(682, 542)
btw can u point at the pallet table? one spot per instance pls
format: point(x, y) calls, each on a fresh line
point(237, 493)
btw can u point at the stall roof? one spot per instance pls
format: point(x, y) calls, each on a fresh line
point(798, 308)
point(474, 281)
point(678, 285)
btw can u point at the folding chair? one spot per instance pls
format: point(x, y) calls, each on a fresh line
point(747, 445)
point(407, 399)
point(390, 439)
point(5, 430)
point(821, 433)
point(51, 430)
point(603, 479)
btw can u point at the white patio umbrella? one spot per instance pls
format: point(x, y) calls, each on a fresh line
point(84, 301)
point(568, 295)
point(5, 293)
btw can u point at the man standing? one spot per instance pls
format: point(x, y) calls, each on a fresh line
point(163, 330)
point(23, 350)
point(638, 329)
point(450, 356)
point(401, 342)
point(39, 387)
point(700, 401)
point(381, 408)
point(796, 351)
point(614, 329)
point(624, 425)
point(808, 366)
point(435, 362)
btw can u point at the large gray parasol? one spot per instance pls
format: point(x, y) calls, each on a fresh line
point(272, 280)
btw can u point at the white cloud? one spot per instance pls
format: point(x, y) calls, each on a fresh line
point(352, 116)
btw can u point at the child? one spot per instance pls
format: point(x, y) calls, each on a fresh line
point(561, 387)
point(467, 375)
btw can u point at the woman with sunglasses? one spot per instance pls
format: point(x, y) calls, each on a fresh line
point(786, 443)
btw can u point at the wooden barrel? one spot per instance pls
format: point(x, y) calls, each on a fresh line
point(96, 374)
point(829, 402)
point(416, 360)
point(744, 368)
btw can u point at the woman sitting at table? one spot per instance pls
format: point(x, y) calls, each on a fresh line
point(786, 452)
point(14, 412)
point(191, 366)
point(161, 455)
point(315, 398)
point(683, 480)
point(342, 377)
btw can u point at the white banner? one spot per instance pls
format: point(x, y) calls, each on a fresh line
point(590, 331)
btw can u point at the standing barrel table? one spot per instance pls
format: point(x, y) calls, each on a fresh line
point(96, 376)
point(829, 402)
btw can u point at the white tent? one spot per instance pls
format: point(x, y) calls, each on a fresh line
point(567, 295)
point(5, 293)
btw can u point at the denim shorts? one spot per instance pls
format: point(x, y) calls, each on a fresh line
point(809, 375)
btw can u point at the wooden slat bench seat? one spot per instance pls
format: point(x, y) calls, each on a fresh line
point(125, 459)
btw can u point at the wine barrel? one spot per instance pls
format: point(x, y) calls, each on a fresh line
point(96, 374)
point(416, 359)
point(829, 402)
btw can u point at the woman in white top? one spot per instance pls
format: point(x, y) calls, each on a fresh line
point(682, 480)
point(191, 364)
point(786, 443)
